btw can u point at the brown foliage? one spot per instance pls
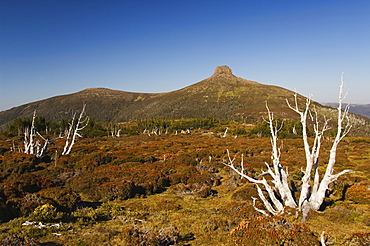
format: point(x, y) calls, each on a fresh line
point(66, 199)
point(245, 193)
point(18, 163)
point(199, 190)
point(24, 206)
point(358, 239)
point(19, 241)
point(22, 184)
point(359, 194)
point(272, 231)
point(146, 236)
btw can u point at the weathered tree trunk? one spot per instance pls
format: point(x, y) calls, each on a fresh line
point(30, 145)
point(73, 131)
point(29, 133)
point(311, 196)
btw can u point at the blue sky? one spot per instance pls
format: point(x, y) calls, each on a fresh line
point(55, 47)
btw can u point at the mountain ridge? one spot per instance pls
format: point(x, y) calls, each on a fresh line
point(361, 109)
point(222, 95)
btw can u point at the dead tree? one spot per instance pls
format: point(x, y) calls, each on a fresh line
point(75, 126)
point(279, 194)
point(115, 131)
point(29, 134)
point(32, 146)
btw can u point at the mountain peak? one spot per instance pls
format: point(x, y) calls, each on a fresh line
point(223, 71)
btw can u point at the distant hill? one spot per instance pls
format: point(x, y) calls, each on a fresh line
point(222, 95)
point(361, 109)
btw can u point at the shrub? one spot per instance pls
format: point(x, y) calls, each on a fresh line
point(360, 140)
point(26, 205)
point(339, 214)
point(196, 189)
point(85, 214)
point(358, 239)
point(18, 163)
point(5, 214)
point(177, 178)
point(121, 189)
point(66, 199)
point(19, 241)
point(272, 231)
point(168, 205)
point(213, 224)
point(146, 236)
point(20, 186)
point(44, 212)
point(110, 210)
point(359, 194)
point(245, 193)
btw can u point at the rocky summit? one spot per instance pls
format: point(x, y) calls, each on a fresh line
point(223, 72)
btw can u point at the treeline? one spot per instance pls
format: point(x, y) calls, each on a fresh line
point(288, 128)
point(45, 127)
point(178, 125)
point(97, 129)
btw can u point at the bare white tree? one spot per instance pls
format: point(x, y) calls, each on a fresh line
point(115, 130)
point(32, 146)
point(279, 194)
point(72, 133)
point(29, 134)
point(225, 133)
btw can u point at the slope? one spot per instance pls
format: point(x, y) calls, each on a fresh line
point(222, 95)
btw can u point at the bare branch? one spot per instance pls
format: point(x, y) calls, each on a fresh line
point(73, 131)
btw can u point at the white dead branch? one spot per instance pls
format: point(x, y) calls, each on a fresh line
point(115, 131)
point(279, 194)
point(29, 134)
point(73, 131)
point(32, 146)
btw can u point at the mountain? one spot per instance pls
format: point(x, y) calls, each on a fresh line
point(222, 95)
point(361, 109)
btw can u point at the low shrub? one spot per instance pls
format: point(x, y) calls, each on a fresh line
point(19, 241)
point(272, 231)
point(66, 199)
point(18, 163)
point(358, 239)
point(110, 210)
point(120, 189)
point(85, 214)
point(168, 205)
point(359, 194)
point(245, 193)
point(196, 189)
point(214, 224)
point(22, 184)
point(44, 213)
point(339, 214)
point(146, 236)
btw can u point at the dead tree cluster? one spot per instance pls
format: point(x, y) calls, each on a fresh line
point(32, 138)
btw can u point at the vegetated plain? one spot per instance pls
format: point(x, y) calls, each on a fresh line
point(172, 188)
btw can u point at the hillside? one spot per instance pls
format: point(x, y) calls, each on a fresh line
point(361, 109)
point(222, 95)
point(102, 105)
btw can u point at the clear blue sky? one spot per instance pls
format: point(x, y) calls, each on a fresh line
point(55, 47)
